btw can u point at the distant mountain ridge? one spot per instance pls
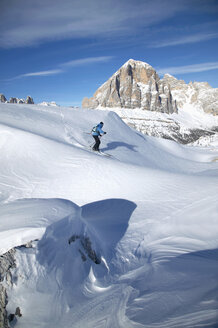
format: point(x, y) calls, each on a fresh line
point(29, 100)
point(137, 85)
point(13, 100)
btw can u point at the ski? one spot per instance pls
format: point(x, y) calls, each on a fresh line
point(104, 154)
point(99, 152)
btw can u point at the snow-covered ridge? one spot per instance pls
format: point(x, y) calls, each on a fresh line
point(14, 100)
point(127, 240)
point(137, 62)
point(185, 127)
point(209, 141)
point(50, 103)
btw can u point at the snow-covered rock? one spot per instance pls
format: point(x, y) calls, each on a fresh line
point(46, 103)
point(208, 141)
point(185, 127)
point(199, 95)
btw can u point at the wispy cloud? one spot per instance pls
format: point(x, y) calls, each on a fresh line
point(63, 67)
point(32, 22)
point(184, 40)
point(41, 73)
point(189, 68)
point(86, 61)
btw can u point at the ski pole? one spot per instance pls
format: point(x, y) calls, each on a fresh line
point(92, 144)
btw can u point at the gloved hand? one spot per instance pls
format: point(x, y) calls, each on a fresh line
point(105, 132)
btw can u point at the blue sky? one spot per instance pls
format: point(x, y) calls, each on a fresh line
point(63, 50)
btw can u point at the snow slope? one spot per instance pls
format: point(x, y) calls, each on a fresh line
point(129, 240)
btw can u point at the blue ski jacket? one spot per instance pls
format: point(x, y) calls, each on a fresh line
point(98, 130)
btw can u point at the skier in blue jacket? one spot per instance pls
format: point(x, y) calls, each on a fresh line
point(96, 133)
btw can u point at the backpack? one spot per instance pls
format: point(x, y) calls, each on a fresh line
point(94, 129)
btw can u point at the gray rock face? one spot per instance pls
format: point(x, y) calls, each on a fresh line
point(13, 100)
point(7, 262)
point(2, 98)
point(86, 248)
point(29, 100)
point(3, 303)
point(134, 85)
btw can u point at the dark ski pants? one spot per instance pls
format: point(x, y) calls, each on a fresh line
point(97, 143)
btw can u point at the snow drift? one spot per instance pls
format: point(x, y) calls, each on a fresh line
point(123, 241)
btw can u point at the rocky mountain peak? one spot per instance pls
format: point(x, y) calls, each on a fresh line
point(13, 100)
point(200, 85)
point(135, 85)
point(172, 81)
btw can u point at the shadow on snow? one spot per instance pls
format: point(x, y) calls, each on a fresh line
point(109, 218)
point(116, 144)
point(184, 286)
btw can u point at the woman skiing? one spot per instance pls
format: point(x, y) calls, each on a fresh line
point(97, 132)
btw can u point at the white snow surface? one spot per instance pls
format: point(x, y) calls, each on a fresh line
point(129, 240)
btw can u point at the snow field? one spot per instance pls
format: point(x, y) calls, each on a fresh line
point(148, 214)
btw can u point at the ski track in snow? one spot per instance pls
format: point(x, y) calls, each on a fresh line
point(148, 213)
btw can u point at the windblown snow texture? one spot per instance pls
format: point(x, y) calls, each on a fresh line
point(123, 241)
